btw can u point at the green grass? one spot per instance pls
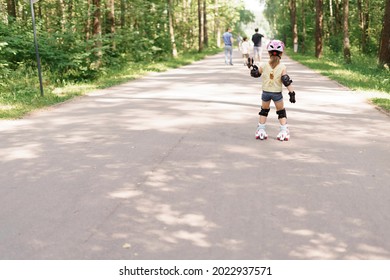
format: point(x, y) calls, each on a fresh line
point(22, 95)
point(363, 74)
point(383, 103)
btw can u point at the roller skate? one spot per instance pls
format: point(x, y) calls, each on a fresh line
point(260, 132)
point(284, 134)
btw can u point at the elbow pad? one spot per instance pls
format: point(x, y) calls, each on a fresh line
point(286, 80)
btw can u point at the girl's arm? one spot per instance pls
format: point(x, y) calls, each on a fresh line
point(289, 87)
point(287, 82)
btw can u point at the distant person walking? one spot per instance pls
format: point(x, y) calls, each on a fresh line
point(228, 40)
point(274, 76)
point(244, 48)
point(256, 39)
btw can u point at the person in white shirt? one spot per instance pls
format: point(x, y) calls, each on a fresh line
point(244, 48)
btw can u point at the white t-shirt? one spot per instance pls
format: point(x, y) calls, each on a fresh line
point(245, 47)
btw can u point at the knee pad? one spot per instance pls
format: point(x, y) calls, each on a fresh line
point(281, 114)
point(264, 112)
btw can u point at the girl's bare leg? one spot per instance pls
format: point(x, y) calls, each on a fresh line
point(260, 132)
point(284, 133)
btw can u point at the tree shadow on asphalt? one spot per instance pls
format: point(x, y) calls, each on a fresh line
point(180, 176)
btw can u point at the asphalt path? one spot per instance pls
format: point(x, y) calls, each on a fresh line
point(167, 167)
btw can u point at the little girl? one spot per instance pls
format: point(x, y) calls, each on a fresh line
point(274, 75)
point(244, 48)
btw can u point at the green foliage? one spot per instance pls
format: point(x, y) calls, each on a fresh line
point(74, 52)
point(362, 74)
point(63, 54)
point(4, 69)
point(19, 44)
point(336, 43)
point(22, 95)
point(278, 15)
point(246, 16)
point(383, 103)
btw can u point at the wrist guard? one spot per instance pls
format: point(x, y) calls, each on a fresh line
point(255, 72)
point(292, 97)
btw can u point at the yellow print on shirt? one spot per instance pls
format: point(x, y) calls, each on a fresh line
point(272, 81)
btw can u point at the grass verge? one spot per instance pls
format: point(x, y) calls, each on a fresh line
point(383, 103)
point(23, 96)
point(362, 74)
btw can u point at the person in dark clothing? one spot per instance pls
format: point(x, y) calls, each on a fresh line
point(256, 39)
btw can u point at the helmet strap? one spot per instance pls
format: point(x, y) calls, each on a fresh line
point(275, 53)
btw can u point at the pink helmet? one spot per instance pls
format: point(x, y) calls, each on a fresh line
point(275, 45)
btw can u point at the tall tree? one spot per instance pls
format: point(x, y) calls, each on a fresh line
point(61, 14)
point(303, 7)
point(171, 28)
point(184, 17)
point(384, 51)
point(11, 9)
point(200, 26)
point(331, 18)
point(97, 31)
point(319, 28)
point(217, 24)
point(205, 31)
point(346, 44)
point(364, 23)
point(111, 22)
point(294, 25)
point(88, 21)
point(123, 13)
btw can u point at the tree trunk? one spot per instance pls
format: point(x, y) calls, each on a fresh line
point(293, 9)
point(366, 13)
point(97, 31)
point(319, 28)
point(71, 15)
point(331, 19)
point(171, 28)
point(217, 25)
point(338, 17)
point(111, 21)
point(88, 22)
point(123, 13)
point(11, 10)
point(185, 9)
point(364, 23)
point(200, 25)
point(61, 14)
point(347, 47)
point(205, 31)
point(303, 45)
point(384, 51)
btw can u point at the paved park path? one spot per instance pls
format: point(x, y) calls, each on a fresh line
point(167, 167)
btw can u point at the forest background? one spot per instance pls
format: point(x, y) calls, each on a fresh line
point(88, 44)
